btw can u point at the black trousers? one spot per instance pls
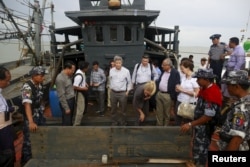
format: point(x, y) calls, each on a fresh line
point(67, 119)
point(7, 151)
point(217, 66)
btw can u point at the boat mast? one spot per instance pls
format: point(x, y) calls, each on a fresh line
point(21, 35)
point(38, 20)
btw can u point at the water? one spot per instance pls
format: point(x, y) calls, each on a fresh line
point(197, 51)
point(11, 51)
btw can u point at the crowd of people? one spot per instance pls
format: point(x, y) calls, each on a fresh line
point(166, 88)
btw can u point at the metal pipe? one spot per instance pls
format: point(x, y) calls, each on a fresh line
point(61, 58)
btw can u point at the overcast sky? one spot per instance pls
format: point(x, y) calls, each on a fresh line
point(197, 19)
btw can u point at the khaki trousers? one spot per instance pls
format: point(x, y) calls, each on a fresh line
point(80, 107)
point(163, 106)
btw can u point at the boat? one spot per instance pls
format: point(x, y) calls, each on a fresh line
point(107, 28)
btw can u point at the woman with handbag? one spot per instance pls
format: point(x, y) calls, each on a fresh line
point(188, 90)
point(207, 107)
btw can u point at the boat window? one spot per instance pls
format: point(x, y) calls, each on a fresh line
point(99, 34)
point(88, 33)
point(113, 33)
point(127, 33)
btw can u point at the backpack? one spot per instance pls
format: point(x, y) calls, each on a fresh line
point(151, 69)
point(75, 76)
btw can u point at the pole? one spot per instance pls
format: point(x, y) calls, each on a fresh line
point(38, 23)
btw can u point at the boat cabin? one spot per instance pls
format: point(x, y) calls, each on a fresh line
point(121, 30)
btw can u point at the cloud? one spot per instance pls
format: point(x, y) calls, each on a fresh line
point(197, 19)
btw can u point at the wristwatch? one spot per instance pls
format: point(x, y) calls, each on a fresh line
point(190, 124)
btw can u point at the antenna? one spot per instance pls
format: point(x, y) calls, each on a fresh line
point(244, 31)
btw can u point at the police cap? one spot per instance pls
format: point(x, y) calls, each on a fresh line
point(237, 77)
point(215, 36)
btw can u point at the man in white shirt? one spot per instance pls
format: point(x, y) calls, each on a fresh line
point(144, 72)
point(7, 151)
point(80, 86)
point(120, 85)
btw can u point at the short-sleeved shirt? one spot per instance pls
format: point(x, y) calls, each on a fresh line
point(188, 84)
point(79, 79)
point(238, 121)
point(34, 98)
point(217, 50)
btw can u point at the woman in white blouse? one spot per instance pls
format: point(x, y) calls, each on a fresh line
point(188, 89)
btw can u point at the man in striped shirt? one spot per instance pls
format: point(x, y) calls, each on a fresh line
point(97, 81)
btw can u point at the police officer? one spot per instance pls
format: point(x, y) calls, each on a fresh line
point(7, 152)
point(32, 93)
point(235, 132)
point(208, 104)
point(217, 53)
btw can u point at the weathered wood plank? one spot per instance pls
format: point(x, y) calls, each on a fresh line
point(80, 145)
point(84, 163)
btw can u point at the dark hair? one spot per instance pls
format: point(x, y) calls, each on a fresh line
point(191, 56)
point(3, 71)
point(185, 58)
point(95, 63)
point(203, 59)
point(244, 86)
point(234, 40)
point(156, 63)
point(68, 64)
point(83, 65)
point(145, 56)
point(187, 64)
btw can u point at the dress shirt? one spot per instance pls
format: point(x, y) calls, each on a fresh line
point(3, 103)
point(143, 74)
point(120, 80)
point(99, 77)
point(237, 59)
point(163, 86)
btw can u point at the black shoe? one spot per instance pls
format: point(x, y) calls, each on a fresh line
point(101, 114)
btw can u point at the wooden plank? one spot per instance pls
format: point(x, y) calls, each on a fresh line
point(90, 143)
point(84, 163)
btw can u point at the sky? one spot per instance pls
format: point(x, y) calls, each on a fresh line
point(197, 19)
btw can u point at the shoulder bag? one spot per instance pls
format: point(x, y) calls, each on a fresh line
point(186, 110)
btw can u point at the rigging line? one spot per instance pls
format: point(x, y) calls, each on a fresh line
point(11, 24)
point(14, 10)
point(194, 52)
point(23, 18)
